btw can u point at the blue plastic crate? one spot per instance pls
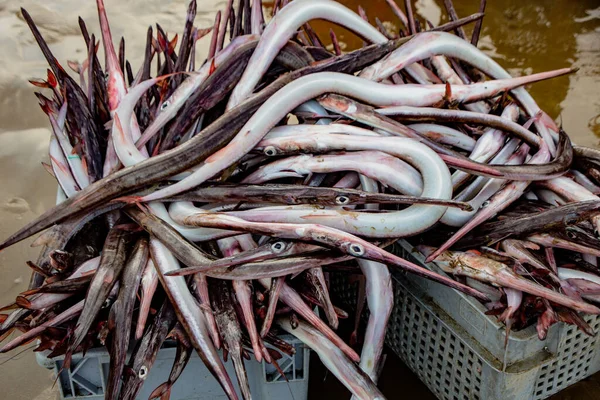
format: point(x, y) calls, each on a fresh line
point(86, 377)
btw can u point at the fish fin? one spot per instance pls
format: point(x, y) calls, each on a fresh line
point(74, 65)
point(162, 40)
point(167, 394)
point(23, 302)
point(275, 355)
point(160, 391)
point(448, 93)
point(128, 200)
point(200, 33)
point(11, 306)
point(173, 43)
point(39, 83)
point(25, 293)
point(279, 370)
point(51, 78)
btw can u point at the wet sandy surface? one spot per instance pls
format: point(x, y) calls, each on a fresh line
point(27, 190)
point(524, 36)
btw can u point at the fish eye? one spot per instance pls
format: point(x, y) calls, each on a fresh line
point(143, 372)
point(342, 200)
point(571, 235)
point(294, 321)
point(270, 151)
point(164, 105)
point(356, 250)
point(485, 204)
point(277, 247)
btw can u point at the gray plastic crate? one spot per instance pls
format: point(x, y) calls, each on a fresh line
point(458, 351)
point(86, 378)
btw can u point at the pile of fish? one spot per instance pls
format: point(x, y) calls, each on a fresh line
point(208, 203)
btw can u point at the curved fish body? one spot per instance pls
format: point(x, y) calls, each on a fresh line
point(112, 263)
point(380, 300)
point(283, 25)
point(148, 284)
point(120, 321)
point(428, 44)
point(189, 315)
point(343, 368)
point(330, 237)
point(143, 356)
